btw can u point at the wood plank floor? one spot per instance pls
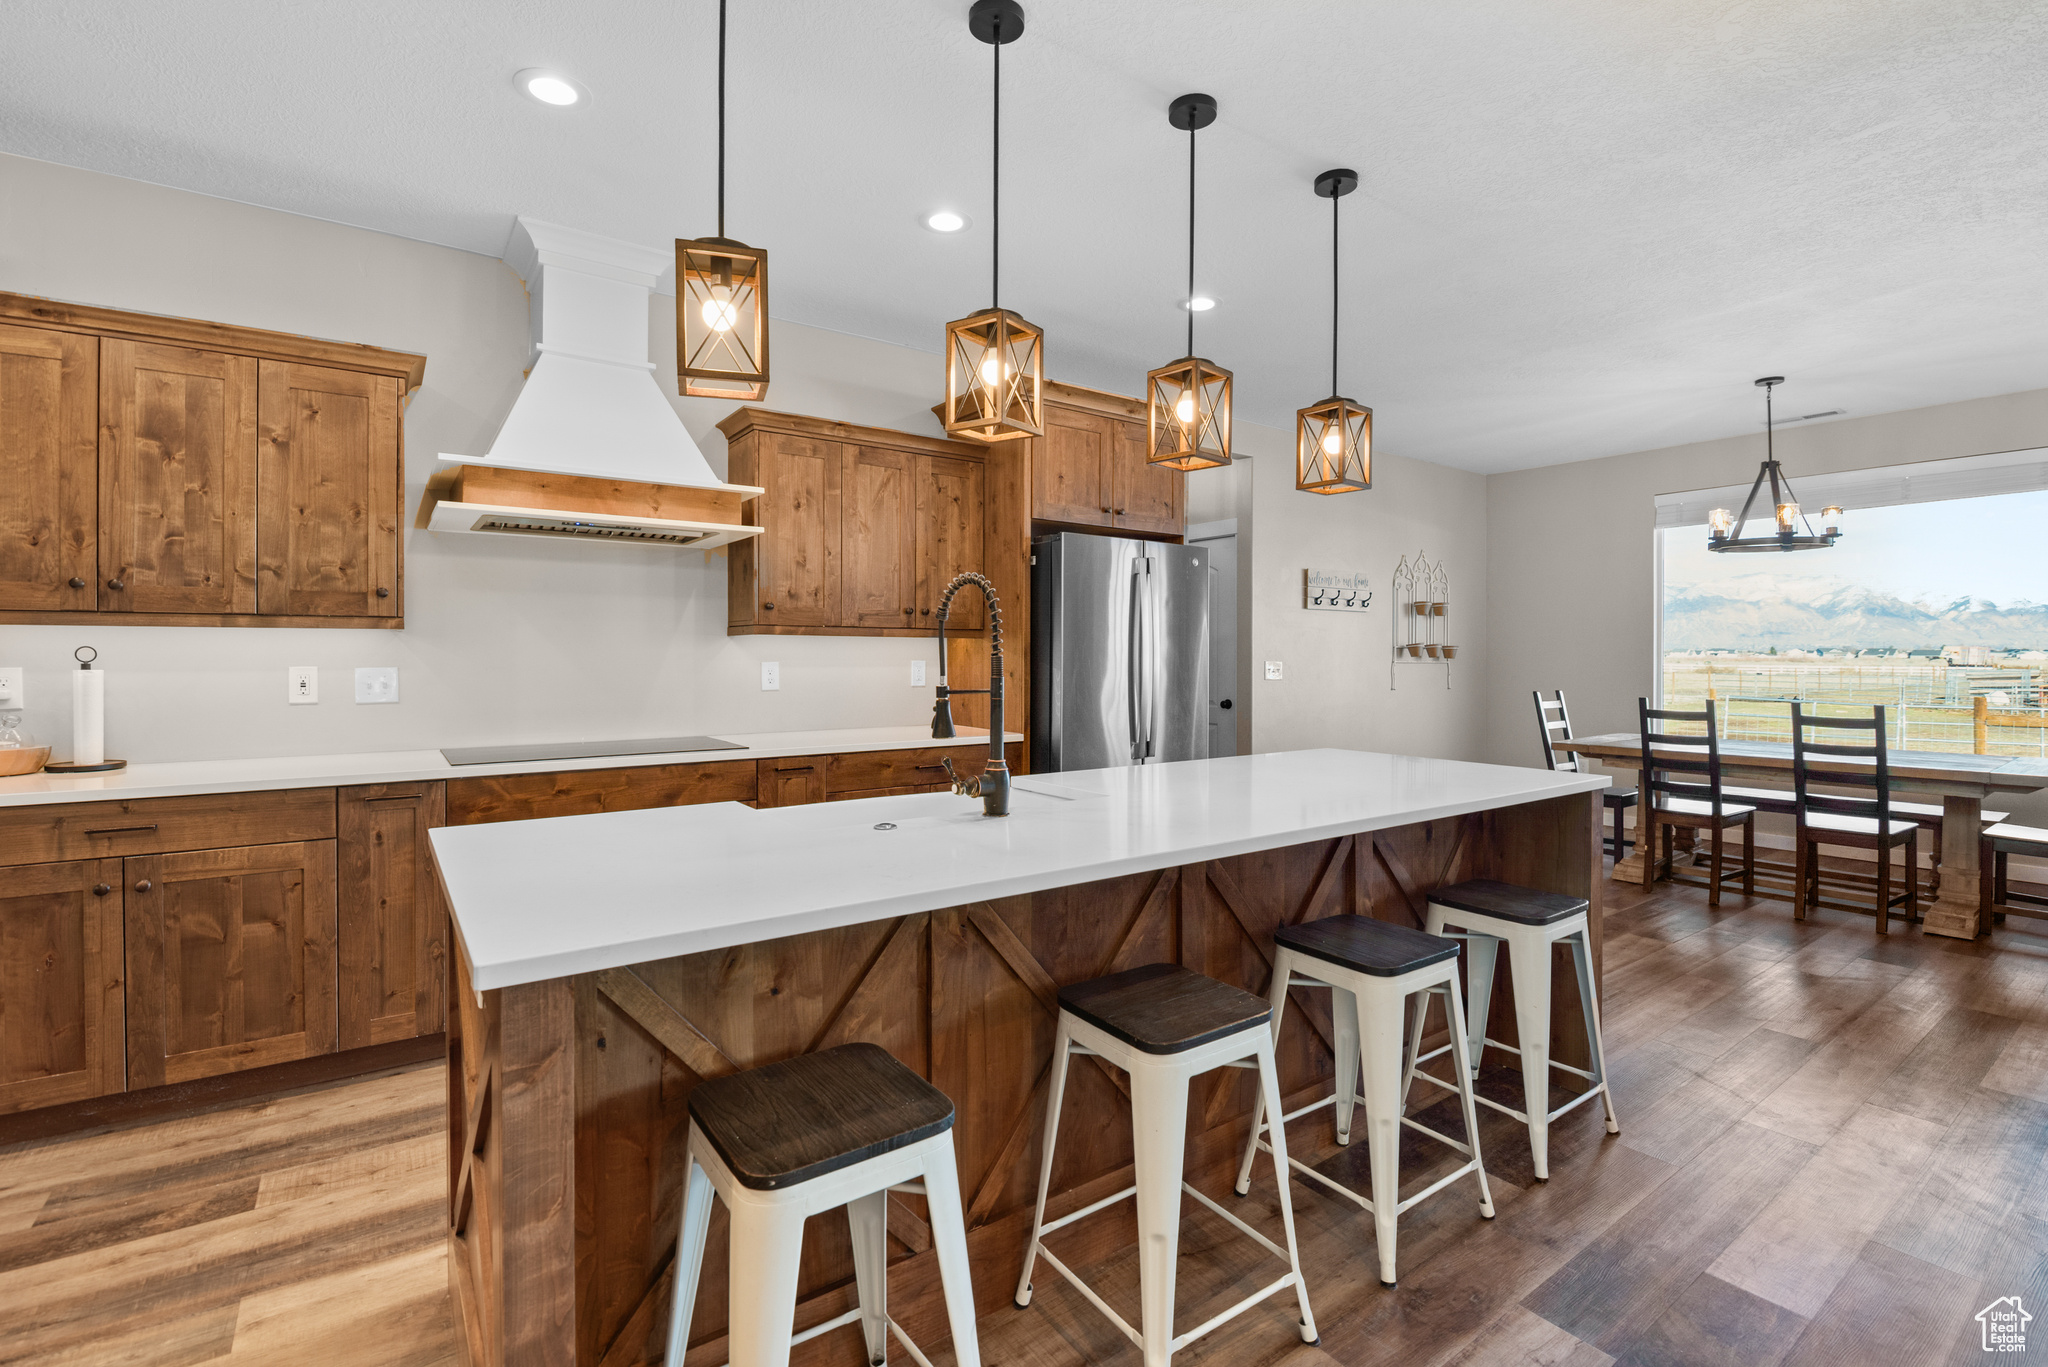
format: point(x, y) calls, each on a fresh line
point(1834, 1151)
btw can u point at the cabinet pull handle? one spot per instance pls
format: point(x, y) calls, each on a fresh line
point(122, 830)
point(102, 889)
point(407, 797)
point(383, 592)
point(77, 583)
point(142, 886)
point(116, 584)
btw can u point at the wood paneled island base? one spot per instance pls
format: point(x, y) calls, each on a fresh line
point(567, 1097)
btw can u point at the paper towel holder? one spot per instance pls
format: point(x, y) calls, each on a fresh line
point(85, 655)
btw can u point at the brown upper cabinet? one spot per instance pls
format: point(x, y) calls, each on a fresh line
point(1089, 469)
point(233, 477)
point(865, 527)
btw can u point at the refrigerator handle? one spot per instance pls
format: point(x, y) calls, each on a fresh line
point(1149, 650)
point(1134, 648)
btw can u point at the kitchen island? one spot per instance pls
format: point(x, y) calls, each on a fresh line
point(607, 963)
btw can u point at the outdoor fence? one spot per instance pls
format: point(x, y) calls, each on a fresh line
point(1943, 708)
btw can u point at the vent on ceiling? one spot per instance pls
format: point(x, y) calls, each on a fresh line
point(562, 526)
point(1809, 417)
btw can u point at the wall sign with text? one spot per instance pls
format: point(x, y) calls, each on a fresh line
point(1332, 591)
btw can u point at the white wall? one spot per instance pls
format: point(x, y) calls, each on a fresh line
point(506, 638)
point(1335, 666)
point(1573, 593)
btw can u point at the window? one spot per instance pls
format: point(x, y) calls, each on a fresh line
point(1935, 607)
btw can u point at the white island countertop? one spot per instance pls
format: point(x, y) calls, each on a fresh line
point(184, 778)
point(547, 898)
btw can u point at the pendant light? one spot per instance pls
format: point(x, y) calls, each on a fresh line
point(1791, 530)
point(995, 361)
point(721, 298)
point(1333, 439)
point(1188, 401)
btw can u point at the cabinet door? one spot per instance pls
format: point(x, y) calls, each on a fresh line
point(393, 936)
point(49, 449)
point(798, 575)
point(230, 959)
point(177, 479)
point(949, 531)
point(1070, 468)
point(1144, 497)
point(327, 478)
point(879, 540)
point(60, 983)
point(792, 782)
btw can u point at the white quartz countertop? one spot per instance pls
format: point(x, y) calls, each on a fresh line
point(543, 899)
point(184, 778)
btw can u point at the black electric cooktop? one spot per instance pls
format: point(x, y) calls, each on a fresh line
point(583, 749)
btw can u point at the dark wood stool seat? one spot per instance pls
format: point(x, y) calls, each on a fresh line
point(1365, 945)
point(1164, 1008)
point(796, 1120)
point(1524, 906)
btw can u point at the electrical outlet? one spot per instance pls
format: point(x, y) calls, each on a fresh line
point(917, 673)
point(301, 684)
point(377, 684)
point(1272, 669)
point(771, 676)
point(10, 688)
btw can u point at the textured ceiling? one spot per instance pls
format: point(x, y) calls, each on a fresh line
point(1583, 227)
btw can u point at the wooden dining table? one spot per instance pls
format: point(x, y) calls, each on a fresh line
point(1963, 781)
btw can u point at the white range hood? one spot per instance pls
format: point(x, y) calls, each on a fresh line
point(592, 448)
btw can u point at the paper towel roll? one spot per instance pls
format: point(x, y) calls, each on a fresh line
point(88, 716)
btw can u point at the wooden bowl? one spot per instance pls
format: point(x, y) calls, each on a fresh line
point(26, 759)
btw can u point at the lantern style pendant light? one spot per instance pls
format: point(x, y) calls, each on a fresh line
point(1791, 531)
point(1333, 439)
point(1188, 402)
point(995, 361)
point(721, 298)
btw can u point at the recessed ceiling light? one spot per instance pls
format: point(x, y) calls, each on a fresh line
point(550, 87)
point(945, 221)
point(1201, 303)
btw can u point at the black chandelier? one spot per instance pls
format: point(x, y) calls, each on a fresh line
point(1724, 530)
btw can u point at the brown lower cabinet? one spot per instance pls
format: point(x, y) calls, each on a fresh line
point(230, 959)
point(167, 940)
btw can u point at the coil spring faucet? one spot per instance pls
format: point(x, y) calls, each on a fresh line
point(992, 785)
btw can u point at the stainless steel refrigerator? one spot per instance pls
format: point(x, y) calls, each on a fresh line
point(1119, 652)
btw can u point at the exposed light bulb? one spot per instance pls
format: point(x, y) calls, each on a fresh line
point(1333, 442)
point(993, 370)
point(719, 314)
point(1185, 409)
point(1788, 513)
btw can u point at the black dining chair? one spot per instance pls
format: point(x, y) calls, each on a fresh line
point(1554, 724)
point(1863, 823)
point(1698, 803)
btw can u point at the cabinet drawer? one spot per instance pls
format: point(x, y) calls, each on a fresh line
point(523, 797)
point(915, 769)
point(93, 830)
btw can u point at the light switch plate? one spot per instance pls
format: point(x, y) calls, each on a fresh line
point(377, 684)
point(917, 673)
point(301, 684)
point(771, 676)
point(10, 687)
point(1272, 669)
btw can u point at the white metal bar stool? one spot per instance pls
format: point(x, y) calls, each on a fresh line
point(1530, 922)
point(1163, 1025)
point(841, 1127)
point(1372, 967)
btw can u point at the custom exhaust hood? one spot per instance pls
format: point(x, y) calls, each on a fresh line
point(592, 449)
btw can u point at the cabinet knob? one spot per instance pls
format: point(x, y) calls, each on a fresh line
point(927, 612)
point(116, 584)
point(1119, 512)
point(908, 611)
point(1105, 507)
point(767, 607)
point(383, 593)
point(77, 583)
point(142, 886)
point(102, 889)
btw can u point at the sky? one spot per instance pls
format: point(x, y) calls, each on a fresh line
point(1932, 553)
